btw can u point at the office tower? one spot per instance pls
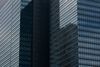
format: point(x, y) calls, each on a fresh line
point(89, 33)
point(68, 29)
point(41, 33)
point(9, 33)
point(63, 33)
point(34, 33)
point(24, 39)
point(81, 19)
point(26, 33)
point(15, 36)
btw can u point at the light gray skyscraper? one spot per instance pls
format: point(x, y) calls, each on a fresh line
point(9, 33)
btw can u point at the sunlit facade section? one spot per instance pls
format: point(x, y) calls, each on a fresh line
point(9, 33)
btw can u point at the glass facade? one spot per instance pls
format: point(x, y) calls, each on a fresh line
point(9, 33)
point(67, 12)
point(15, 33)
point(55, 33)
point(74, 23)
point(63, 33)
point(89, 33)
point(41, 33)
point(26, 34)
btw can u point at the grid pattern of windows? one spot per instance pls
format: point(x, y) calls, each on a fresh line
point(89, 33)
point(63, 33)
point(9, 33)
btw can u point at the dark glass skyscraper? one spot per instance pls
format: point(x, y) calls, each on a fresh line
point(26, 34)
point(49, 33)
point(41, 33)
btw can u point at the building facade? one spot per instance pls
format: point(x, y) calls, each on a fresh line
point(55, 33)
point(9, 33)
point(13, 39)
point(74, 24)
point(89, 33)
point(63, 33)
point(41, 33)
point(24, 33)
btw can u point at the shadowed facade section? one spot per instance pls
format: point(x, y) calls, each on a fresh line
point(63, 33)
point(26, 36)
point(41, 33)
